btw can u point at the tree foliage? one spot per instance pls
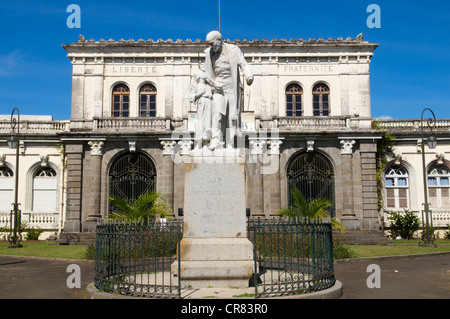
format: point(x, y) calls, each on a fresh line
point(147, 207)
point(317, 208)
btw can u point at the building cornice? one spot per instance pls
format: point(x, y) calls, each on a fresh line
point(111, 46)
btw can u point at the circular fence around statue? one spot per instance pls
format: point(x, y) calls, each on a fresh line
point(141, 259)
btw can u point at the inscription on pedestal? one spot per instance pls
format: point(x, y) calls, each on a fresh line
point(214, 200)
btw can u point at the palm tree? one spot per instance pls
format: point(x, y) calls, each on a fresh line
point(147, 207)
point(317, 208)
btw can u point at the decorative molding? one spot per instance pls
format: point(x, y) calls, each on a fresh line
point(3, 160)
point(398, 158)
point(274, 146)
point(419, 146)
point(132, 146)
point(185, 147)
point(168, 147)
point(44, 160)
point(257, 146)
point(310, 145)
point(347, 146)
point(96, 148)
point(440, 158)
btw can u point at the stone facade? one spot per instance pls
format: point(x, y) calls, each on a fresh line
point(95, 138)
point(406, 155)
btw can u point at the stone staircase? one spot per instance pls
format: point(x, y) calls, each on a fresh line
point(76, 238)
point(362, 237)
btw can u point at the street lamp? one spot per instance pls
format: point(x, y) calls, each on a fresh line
point(13, 143)
point(427, 232)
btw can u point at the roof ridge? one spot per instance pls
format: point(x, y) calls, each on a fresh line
point(358, 39)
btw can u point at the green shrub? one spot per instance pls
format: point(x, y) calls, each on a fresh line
point(447, 232)
point(403, 224)
point(341, 251)
point(33, 233)
point(90, 252)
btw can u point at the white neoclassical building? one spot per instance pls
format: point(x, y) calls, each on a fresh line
point(306, 121)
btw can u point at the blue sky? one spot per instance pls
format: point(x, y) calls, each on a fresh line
point(410, 69)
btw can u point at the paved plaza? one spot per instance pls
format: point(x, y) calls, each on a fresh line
point(411, 277)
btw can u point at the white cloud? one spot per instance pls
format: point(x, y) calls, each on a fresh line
point(9, 62)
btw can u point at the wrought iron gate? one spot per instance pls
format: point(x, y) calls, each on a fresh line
point(131, 175)
point(312, 173)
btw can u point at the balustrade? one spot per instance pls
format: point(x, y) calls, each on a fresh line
point(46, 221)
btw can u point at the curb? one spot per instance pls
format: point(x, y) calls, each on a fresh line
point(333, 292)
point(51, 258)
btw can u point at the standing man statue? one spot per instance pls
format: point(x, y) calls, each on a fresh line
point(222, 64)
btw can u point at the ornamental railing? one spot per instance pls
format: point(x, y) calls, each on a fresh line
point(410, 124)
point(29, 126)
point(137, 259)
point(137, 123)
point(313, 122)
point(440, 217)
point(43, 220)
point(292, 257)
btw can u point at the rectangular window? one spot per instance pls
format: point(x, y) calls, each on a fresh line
point(433, 197)
point(316, 105)
point(6, 194)
point(390, 197)
point(298, 105)
point(143, 106)
point(432, 181)
point(445, 197)
point(152, 105)
point(289, 105)
point(403, 197)
point(325, 109)
point(44, 195)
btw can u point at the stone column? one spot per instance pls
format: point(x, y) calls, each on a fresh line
point(349, 218)
point(167, 180)
point(93, 186)
point(271, 178)
point(74, 153)
point(369, 185)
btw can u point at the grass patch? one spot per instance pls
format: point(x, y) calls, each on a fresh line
point(361, 251)
point(244, 295)
point(417, 241)
point(43, 249)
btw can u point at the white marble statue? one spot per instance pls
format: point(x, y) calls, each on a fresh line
point(200, 93)
point(223, 62)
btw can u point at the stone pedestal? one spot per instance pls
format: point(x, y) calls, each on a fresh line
point(215, 251)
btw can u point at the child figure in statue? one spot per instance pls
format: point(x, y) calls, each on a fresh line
point(200, 93)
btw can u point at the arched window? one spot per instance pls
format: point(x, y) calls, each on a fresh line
point(313, 175)
point(44, 190)
point(321, 100)
point(294, 100)
point(131, 175)
point(439, 186)
point(397, 187)
point(6, 189)
point(121, 101)
point(147, 101)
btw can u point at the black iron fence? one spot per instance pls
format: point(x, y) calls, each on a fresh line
point(291, 257)
point(137, 259)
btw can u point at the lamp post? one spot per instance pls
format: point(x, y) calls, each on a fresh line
point(427, 232)
point(13, 143)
